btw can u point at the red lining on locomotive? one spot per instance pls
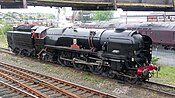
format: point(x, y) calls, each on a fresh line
point(75, 46)
point(149, 68)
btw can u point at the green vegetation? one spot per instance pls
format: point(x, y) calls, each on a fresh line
point(4, 28)
point(165, 75)
point(90, 77)
point(3, 41)
point(154, 60)
point(102, 15)
point(26, 16)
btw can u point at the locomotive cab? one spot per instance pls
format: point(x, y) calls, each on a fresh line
point(38, 37)
point(38, 32)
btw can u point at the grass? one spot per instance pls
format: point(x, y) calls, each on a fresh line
point(3, 41)
point(90, 77)
point(166, 75)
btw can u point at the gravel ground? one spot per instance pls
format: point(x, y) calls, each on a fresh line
point(83, 78)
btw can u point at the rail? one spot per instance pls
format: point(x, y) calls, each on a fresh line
point(159, 87)
point(35, 83)
point(154, 86)
point(8, 90)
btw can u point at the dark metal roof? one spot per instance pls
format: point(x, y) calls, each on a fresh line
point(41, 29)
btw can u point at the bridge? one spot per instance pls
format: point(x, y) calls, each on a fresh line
point(129, 5)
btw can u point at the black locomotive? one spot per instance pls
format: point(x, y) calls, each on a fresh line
point(114, 53)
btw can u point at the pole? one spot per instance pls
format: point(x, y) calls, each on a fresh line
point(174, 4)
point(24, 3)
point(164, 16)
point(73, 16)
point(126, 17)
point(58, 16)
point(115, 4)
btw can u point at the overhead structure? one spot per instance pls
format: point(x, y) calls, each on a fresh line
point(13, 3)
point(129, 5)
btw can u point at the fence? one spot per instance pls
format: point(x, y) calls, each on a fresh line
point(166, 57)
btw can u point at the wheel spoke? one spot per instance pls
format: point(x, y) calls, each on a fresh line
point(95, 70)
point(111, 74)
point(78, 66)
point(60, 61)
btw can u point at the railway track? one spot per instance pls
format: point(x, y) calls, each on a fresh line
point(160, 88)
point(5, 50)
point(8, 90)
point(43, 86)
point(154, 86)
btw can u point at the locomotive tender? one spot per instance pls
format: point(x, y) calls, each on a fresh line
point(117, 53)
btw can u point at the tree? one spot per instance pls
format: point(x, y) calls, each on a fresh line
point(4, 27)
point(102, 15)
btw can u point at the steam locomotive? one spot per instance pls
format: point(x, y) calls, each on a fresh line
point(116, 53)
